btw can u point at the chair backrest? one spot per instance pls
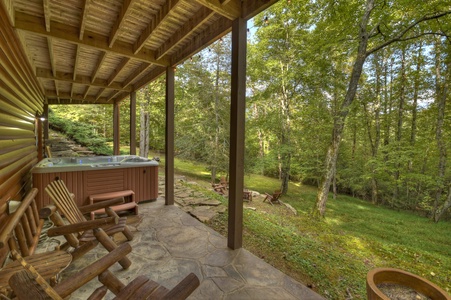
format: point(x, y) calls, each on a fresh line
point(63, 200)
point(276, 195)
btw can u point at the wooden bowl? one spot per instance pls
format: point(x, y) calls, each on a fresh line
point(395, 276)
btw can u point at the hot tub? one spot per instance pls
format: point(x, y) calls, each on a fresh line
point(85, 176)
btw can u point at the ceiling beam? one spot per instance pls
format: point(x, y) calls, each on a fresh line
point(84, 16)
point(193, 24)
point(231, 9)
point(117, 70)
point(136, 73)
point(251, 8)
point(9, 10)
point(152, 75)
point(83, 80)
point(46, 4)
point(66, 98)
point(161, 16)
point(217, 30)
point(51, 55)
point(125, 10)
point(98, 65)
point(93, 40)
point(77, 55)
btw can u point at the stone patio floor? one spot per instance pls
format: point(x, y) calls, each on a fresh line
point(168, 244)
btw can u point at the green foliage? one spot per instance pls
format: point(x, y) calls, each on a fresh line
point(83, 133)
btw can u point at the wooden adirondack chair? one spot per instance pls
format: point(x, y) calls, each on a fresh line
point(28, 284)
point(222, 187)
point(274, 198)
point(82, 234)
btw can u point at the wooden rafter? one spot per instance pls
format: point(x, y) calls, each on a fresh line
point(9, 9)
point(125, 10)
point(84, 16)
point(118, 69)
point(85, 94)
point(98, 65)
point(51, 55)
point(136, 73)
point(79, 79)
point(154, 24)
point(230, 9)
point(77, 55)
point(46, 4)
point(99, 94)
point(193, 24)
point(70, 34)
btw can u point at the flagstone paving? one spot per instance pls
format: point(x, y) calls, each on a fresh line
point(169, 244)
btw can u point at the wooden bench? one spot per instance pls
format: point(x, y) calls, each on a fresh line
point(131, 205)
point(21, 232)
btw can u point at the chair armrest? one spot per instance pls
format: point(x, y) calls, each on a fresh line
point(184, 288)
point(81, 226)
point(102, 204)
point(68, 286)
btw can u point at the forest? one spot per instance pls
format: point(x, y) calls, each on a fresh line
point(351, 97)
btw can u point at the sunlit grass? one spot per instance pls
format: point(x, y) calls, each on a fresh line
point(334, 255)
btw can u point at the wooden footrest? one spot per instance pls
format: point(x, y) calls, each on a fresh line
point(132, 205)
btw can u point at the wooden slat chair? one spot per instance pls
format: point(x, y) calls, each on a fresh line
point(274, 198)
point(222, 187)
point(81, 234)
point(20, 232)
point(27, 284)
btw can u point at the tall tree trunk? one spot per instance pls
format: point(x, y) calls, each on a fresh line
point(413, 127)
point(145, 125)
point(286, 135)
point(401, 98)
point(441, 94)
point(216, 138)
point(340, 118)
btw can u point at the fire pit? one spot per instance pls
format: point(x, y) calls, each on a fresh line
point(380, 276)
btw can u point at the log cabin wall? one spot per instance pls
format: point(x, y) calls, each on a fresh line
point(21, 100)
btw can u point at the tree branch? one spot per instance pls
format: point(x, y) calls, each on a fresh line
point(399, 37)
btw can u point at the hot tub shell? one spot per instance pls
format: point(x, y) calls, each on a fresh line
point(85, 176)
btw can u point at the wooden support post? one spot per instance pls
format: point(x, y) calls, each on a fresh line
point(112, 282)
point(116, 128)
point(40, 144)
point(169, 137)
point(237, 121)
point(133, 123)
point(46, 122)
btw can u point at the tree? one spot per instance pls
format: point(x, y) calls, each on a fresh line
point(370, 27)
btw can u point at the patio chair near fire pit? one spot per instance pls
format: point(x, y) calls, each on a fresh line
point(28, 284)
point(82, 234)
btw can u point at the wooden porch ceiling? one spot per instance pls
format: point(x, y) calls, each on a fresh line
point(98, 51)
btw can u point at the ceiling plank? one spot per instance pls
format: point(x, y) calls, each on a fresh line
point(92, 40)
point(161, 16)
point(66, 98)
point(125, 10)
point(85, 94)
point(84, 16)
point(230, 9)
point(118, 69)
point(193, 24)
point(83, 80)
point(46, 4)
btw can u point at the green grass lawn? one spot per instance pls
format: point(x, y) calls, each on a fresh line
point(333, 255)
